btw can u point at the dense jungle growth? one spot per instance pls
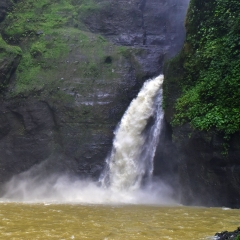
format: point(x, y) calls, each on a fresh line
point(207, 70)
point(202, 104)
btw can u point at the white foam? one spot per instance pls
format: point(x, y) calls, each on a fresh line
point(65, 189)
point(132, 154)
point(130, 160)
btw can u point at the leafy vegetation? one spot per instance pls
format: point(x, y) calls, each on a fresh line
point(29, 18)
point(238, 237)
point(210, 77)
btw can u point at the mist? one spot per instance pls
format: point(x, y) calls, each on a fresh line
point(129, 166)
point(30, 187)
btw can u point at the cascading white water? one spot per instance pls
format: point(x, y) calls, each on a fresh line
point(133, 151)
point(128, 166)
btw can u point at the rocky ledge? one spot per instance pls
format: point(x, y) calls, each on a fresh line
point(235, 235)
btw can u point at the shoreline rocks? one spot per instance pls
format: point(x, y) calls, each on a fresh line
point(235, 235)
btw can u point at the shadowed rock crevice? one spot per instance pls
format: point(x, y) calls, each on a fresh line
point(141, 6)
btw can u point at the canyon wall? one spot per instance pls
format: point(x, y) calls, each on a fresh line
point(68, 71)
point(201, 98)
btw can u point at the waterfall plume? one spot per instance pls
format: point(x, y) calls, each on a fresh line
point(127, 177)
point(133, 149)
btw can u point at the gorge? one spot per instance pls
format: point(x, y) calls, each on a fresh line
point(69, 70)
point(129, 165)
point(86, 151)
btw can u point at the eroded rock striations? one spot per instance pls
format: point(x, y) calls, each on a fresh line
point(68, 71)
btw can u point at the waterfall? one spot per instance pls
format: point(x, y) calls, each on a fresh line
point(134, 145)
point(129, 165)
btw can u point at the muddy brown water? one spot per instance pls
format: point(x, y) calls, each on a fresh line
point(75, 221)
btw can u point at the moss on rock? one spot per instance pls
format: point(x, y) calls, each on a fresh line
point(9, 58)
point(53, 44)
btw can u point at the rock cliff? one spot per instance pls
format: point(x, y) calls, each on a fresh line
point(202, 104)
point(68, 71)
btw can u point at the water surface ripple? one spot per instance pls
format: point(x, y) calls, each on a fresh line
point(75, 221)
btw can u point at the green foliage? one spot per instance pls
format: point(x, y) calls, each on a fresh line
point(60, 59)
point(27, 74)
point(30, 18)
point(42, 29)
point(210, 81)
point(238, 237)
point(37, 49)
point(5, 48)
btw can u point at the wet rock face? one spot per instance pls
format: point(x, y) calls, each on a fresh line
point(159, 25)
point(26, 135)
point(166, 163)
point(4, 4)
point(207, 170)
point(72, 83)
point(140, 22)
point(207, 164)
point(206, 175)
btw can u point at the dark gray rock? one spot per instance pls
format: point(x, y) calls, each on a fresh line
point(68, 121)
point(157, 26)
point(207, 176)
point(4, 5)
point(228, 235)
point(26, 136)
point(166, 161)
